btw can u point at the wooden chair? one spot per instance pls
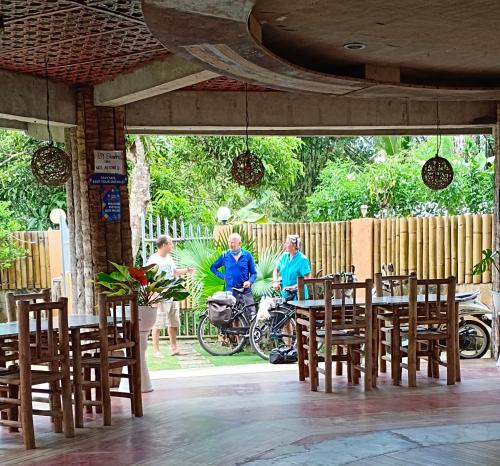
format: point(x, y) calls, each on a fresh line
point(432, 328)
point(13, 299)
point(118, 330)
point(347, 325)
point(389, 321)
point(49, 345)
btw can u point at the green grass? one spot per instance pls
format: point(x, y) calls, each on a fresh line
point(155, 364)
point(244, 357)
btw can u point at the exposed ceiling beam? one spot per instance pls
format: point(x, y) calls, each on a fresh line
point(286, 113)
point(23, 99)
point(155, 78)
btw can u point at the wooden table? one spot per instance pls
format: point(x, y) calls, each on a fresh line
point(395, 303)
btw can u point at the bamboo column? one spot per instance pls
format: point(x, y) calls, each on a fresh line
point(403, 245)
point(468, 248)
point(487, 237)
point(477, 242)
point(461, 249)
point(412, 245)
point(440, 263)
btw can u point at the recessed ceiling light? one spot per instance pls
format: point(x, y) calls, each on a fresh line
point(355, 46)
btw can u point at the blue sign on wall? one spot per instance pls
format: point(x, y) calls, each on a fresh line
point(111, 203)
point(107, 179)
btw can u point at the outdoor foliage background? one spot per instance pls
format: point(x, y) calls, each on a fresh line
point(307, 179)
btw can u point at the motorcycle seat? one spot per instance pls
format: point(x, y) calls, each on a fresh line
point(466, 295)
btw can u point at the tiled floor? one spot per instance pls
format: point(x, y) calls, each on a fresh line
point(271, 418)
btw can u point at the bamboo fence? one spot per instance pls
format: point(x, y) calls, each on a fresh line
point(434, 247)
point(33, 270)
point(327, 244)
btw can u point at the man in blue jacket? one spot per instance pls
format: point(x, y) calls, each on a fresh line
point(239, 272)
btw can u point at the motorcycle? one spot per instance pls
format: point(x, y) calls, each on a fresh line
point(474, 328)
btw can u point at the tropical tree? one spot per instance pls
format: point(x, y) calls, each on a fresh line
point(31, 201)
point(392, 185)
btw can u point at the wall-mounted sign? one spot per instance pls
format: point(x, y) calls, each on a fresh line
point(107, 178)
point(111, 202)
point(108, 161)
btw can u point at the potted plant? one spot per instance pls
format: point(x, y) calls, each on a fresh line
point(491, 259)
point(151, 286)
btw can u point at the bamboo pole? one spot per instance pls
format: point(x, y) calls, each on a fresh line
point(390, 233)
point(348, 243)
point(23, 262)
point(328, 248)
point(477, 242)
point(37, 273)
point(432, 247)
point(383, 242)
point(343, 264)
point(403, 245)
point(412, 245)
point(425, 248)
point(454, 246)
point(324, 249)
point(468, 248)
point(487, 243)
point(337, 247)
point(31, 237)
point(397, 245)
point(439, 247)
point(420, 248)
point(461, 249)
point(319, 246)
point(447, 226)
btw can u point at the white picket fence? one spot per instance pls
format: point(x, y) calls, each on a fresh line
point(179, 231)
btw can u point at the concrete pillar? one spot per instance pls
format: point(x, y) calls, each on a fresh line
point(362, 247)
point(496, 243)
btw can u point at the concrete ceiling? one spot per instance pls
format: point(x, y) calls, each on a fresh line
point(417, 50)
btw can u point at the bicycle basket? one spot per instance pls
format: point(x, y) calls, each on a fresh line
point(220, 309)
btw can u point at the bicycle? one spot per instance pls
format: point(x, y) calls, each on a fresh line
point(276, 330)
point(229, 338)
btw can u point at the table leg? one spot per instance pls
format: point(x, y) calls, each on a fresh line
point(312, 356)
point(300, 348)
point(458, 376)
point(77, 375)
point(396, 350)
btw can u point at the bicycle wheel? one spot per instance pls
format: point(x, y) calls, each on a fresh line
point(221, 341)
point(265, 335)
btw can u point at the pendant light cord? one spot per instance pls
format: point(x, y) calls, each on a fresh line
point(438, 132)
point(48, 98)
point(246, 116)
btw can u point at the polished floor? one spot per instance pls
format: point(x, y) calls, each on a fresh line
point(270, 418)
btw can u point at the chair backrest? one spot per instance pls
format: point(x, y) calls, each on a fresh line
point(392, 285)
point(437, 302)
point(316, 286)
point(13, 299)
point(118, 322)
point(352, 309)
point(43, 337)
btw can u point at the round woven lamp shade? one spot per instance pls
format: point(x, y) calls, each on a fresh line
point(247, 169)
point(51, 166)
point(437, 173)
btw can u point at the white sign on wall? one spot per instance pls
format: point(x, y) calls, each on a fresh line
point(108, 161)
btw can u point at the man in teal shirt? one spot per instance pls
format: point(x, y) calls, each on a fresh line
point(291, 265)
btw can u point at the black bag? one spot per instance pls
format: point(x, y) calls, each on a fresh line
point(220, 310)
point(283, 355)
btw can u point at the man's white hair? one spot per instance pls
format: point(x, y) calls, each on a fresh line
point(235, 236)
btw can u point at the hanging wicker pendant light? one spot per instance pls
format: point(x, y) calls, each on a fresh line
point(437, 173)
point(247, 169)
point(50, 165)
